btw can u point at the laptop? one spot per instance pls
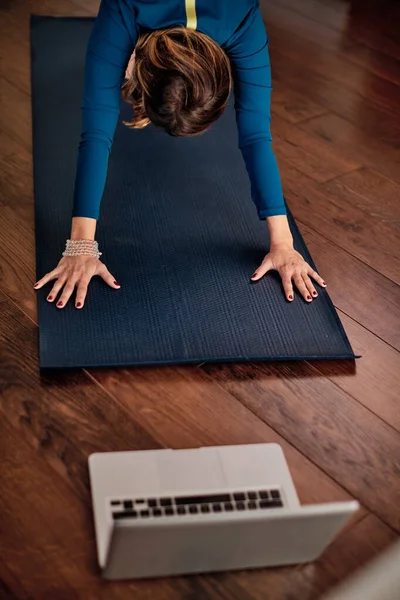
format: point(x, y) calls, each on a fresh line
point(172, 512)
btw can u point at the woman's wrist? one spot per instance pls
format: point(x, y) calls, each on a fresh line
point(83, 228)
point(279, 230)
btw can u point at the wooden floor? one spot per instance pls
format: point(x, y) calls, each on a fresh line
point(336, 128)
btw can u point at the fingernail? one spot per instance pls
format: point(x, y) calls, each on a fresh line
point(36, 284)
point(290, 297)
point(79, 304)
point(59, 303)
point(254, 275)
point(116, 283)
point(50, 298)
point(323, 283)
point(309, 298)
point(314, 293)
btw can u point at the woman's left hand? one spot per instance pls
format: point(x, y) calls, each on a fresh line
point(291, 267)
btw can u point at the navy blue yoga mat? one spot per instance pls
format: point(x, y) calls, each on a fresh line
point(178, 230)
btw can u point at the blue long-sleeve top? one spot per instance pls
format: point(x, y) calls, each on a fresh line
point(237, 26)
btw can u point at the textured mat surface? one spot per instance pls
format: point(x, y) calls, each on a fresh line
point(178, 230)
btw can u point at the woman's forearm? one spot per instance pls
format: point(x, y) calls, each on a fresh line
point(279, 230)
point(83, 228)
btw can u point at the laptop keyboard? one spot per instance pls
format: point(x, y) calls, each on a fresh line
point(193, 505)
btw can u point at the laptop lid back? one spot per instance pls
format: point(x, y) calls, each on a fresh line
point(219, 542)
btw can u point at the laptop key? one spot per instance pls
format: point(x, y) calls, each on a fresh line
point(264, 495)
point(239, 496)
point(275, 494)
point(144, 513)
point(276, 503)
point(240, 505)
point(205, 508)
point(206, 499)
point(228, 506)
point(181, 510)
point(217, 507)
point(169, 511)
point(193, 509)
point(152, 502)
point(128, 504)
point(126, 514)
point(252, 505)
point(166, 502)
point(270, 503)
point(156, 512)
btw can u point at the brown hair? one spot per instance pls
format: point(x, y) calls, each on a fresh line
point(181, 81)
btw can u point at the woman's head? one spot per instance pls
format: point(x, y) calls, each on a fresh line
point(181, 81)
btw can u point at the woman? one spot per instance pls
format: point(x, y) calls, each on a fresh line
point(188, 54)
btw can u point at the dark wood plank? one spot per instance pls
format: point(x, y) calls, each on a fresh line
point(355, 547)
point(359, 291)
point(91, 6)
point(285, 582)
point(16, 115)
point(16, 191)
point(344, 16)
point(276, 14)
point(375, 382)
point(374, 114)
point(302, 34)
point(335, 26)
point(32, 537)
point(344, 223)
point(17, 256)
point(16, 166)
point(65, 416)
point(15, 33)
point(17, 253)
point(319, 16)
point(376, 25)
point(328, 13)
point(366, 189)
point(308, 153)
point(325, 424)
point(378, 63)
point(292, 106)
point(358, 143)
point(10, 587)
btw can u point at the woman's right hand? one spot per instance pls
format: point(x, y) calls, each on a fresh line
point(74, 271)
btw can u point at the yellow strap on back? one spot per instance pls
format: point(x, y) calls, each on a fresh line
point(191, 14)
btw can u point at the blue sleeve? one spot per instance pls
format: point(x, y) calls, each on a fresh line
point(109, 49)
point(249, 56)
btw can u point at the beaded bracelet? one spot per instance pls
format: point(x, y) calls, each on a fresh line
point(77, 247)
